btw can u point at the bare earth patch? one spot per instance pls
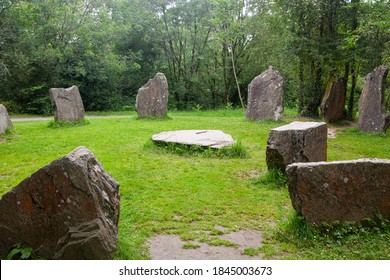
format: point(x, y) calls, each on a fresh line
point(170, 247)
point(332, 130)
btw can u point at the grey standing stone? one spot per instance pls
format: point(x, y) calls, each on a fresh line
point(265, 96)
point(296, 142)
point(67, 104)
point(340, 191)
point(373, 116)
point(5, 120)
point(152, 98)
point(68, 209)
point(333, 103)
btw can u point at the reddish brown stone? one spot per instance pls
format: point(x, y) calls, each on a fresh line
point(340, 191)
point(54, 201)
point(333, 103)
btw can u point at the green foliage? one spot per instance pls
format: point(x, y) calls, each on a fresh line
point(347, 240)
point(111, 48)
point(274, 178)
point(251, 251)
point(191, 246)
point(18, 252)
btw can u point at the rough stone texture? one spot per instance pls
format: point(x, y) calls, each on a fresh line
point(206, 138)
point(5, 121)
point(372, 112)
point(67, 209)
point(152, 98)
point(265, 96)
point(296, 142)
point(333, 103)
point(340, 191)
point(67, 104)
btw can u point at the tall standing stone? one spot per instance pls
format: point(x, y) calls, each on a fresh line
point(296, 142)
point(265, 96)
point(333, 103)
point(5, 121)
point(152, 98)
point(372, 112)
point(68, 209)
point(67, 104)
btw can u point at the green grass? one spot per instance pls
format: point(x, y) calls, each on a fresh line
point(190, 194)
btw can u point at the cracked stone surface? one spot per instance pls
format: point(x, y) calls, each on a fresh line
point(67, 104)
point(170, 247)
point(68, 209)
point(340, 191)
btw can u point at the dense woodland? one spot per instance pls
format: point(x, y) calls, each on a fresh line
point(209, 50)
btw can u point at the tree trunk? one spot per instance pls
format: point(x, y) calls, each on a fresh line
point(351, 101)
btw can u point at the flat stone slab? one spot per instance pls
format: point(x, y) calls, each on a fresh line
point(205, 138)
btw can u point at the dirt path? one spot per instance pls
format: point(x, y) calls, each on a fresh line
point(171, 247)
point(332, 130)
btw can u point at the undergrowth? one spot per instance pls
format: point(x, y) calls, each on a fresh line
point(273, 178)
point(19, 252)
point(348, 240)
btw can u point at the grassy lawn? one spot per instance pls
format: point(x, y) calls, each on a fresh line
point(188, 195)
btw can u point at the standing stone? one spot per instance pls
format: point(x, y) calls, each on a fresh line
point(372, 112)
point(67, 104)
point(265, 96)
point(333, 103)
point(340, 191)
point(5, 121)
point(68, 209)
point(296, 142)
point(152, 98)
